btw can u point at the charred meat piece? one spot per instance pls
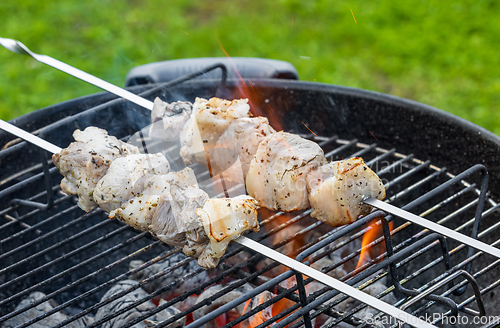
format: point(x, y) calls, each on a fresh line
point(277, 174)
point(168, 119)
point(86, 161)
point(125, 179)
point(336, 190)
point(137, 311)
point(208, 121)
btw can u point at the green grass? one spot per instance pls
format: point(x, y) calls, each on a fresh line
point(445, 54)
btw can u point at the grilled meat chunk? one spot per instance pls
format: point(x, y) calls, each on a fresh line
point(125, 179)
point(167, 119)
point(336, 190)
point(225, 219)
point(167, 209)
point(277, 174)
point(240, 141)
point(86, 161)
point(208, 121)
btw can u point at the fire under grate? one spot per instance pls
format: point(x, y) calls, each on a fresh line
point(75, 258)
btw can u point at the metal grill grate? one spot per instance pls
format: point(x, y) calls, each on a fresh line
point(75, 258)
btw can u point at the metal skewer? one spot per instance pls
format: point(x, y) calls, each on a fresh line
point(269, 252)
point(29, 137)
point(19, 48)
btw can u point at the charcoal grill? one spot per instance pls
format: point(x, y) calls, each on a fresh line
point(48, 244)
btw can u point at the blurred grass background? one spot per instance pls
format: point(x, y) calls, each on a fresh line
point(444, 54)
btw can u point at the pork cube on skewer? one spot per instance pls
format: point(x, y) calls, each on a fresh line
point(277, 174)
point(225, 219)
point(84, 162)
point(125, 179)
point(240, 141)
point(167, 119)
point(337, 189)
point(207, 122)
point(166, 206)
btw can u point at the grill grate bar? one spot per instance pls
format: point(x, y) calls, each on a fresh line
point(488, 288)
point(25, 183)
point(49, 234)
point(363, 151)
point(337, 150)
point(38, 225)
point(405, 175)
point(452, 252)
point(381, 157)
point(415, 186)
point(396, 164)
point(59, 259)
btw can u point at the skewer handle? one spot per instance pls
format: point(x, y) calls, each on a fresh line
point(29, 137)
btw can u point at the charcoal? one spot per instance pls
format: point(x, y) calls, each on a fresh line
point(40, 309)
point(137, 311)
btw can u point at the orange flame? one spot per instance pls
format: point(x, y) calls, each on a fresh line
point(368, 249)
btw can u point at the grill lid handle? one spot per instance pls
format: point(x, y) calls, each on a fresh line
point(247, 68)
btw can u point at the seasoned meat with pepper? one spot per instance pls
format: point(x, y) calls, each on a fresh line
point(125, 179)
point(208, 121)
point(336, 190)
point(225, 219)
point(84, 162)
point(167, 209)
point(277, 174)
point(240, 141)
point(167, 119)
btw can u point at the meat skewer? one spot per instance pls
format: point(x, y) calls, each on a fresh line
point(304, 269)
